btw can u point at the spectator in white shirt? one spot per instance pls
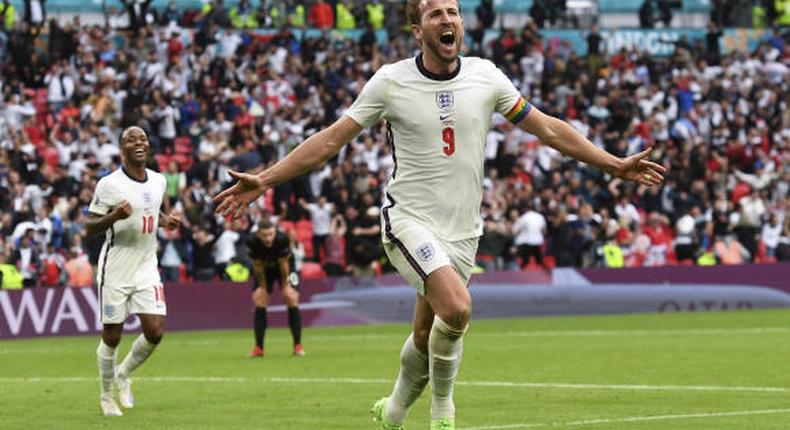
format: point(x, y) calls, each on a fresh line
point(60, 87)
point(167, 117)
point(770, 235)
point(530, 230)
point(221, 126)
point(759, 180)
point(107, 149)
point(625, 210)
point(225, 248)
point(18, 110)
point(684, 241)
point(321, 217)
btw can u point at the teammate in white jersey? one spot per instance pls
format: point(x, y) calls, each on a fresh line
point(439, 107)
point(126, 206)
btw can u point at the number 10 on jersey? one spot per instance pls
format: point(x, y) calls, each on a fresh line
point(148, 224)
point(448, 137)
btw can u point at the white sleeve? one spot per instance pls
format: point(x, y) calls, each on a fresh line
point(369, 105)
point(518, 226)
point(103, 200)
point(508, 101)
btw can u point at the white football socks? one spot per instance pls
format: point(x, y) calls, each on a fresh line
point(445, 346)
point(412, 379)
point(105, 357)
point(141, 349)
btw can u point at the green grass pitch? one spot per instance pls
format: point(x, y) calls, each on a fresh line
point(727, 370)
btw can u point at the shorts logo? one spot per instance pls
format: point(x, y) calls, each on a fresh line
point(293, 279)
point(109, 310)
point(444, 100)
point(425, 252)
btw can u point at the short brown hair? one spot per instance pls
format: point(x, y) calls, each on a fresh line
point(414, 11)
point(265, 224)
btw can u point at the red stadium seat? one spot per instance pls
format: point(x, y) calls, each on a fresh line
point(304, 234)
point(183, 145)
point(672, 257)
point(183, 161)
point(268, 200)
point(39, 98)
point(286, 225)
point(311, 270)
point(533, 266)
point(762, 252)
point(162, 160)
point(305, 224)
point(182, 273)
point(484, 257)
point(377, 269)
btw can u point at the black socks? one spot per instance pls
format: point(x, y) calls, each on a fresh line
point(295, 323)
point(260, 325)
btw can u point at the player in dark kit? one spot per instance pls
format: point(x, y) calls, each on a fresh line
point(272, 259)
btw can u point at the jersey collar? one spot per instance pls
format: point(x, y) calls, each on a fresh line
point(135, 179)
point(430, 75)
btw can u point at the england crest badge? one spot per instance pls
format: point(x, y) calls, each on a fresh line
point(444, 100)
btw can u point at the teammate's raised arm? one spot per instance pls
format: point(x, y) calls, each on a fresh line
point(563, 137)
point(314, 151)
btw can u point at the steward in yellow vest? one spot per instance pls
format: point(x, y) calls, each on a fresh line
point(10, 278)
point(613, 255)
point(243, 15)
point(237, 272)
point(345, 19)
point(296, 16)
point(375, 11)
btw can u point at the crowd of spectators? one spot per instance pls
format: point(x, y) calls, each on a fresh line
point(213, 99)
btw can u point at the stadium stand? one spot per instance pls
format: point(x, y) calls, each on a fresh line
point(241, 98)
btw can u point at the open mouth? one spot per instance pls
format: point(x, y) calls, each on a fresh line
point(447, 38)
point(140, 152)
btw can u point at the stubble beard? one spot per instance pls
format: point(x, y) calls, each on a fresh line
point(435, 48)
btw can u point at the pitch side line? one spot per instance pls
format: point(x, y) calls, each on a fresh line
point(633, 419)
point(542, 333)
point(577, 333)
point(360, 381)
point(668, 332)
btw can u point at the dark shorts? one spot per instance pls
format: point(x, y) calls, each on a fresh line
point(274, 275)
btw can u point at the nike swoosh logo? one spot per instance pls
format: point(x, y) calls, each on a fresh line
point(444, 117)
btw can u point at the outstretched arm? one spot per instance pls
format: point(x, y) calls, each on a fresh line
point(312, 152)
point(563, 137)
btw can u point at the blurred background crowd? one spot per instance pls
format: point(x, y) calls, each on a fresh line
point(214, 94)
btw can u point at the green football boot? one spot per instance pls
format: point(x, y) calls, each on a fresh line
point(443, 424)
point(380, 416)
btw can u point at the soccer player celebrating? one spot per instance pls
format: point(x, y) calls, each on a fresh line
point(272, 259)
point(126, 206)
point(439, 107)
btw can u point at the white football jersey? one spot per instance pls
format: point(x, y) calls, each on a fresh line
point(438, 130)
point(128, 256)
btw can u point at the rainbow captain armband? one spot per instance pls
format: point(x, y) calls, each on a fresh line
point(519, 111)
